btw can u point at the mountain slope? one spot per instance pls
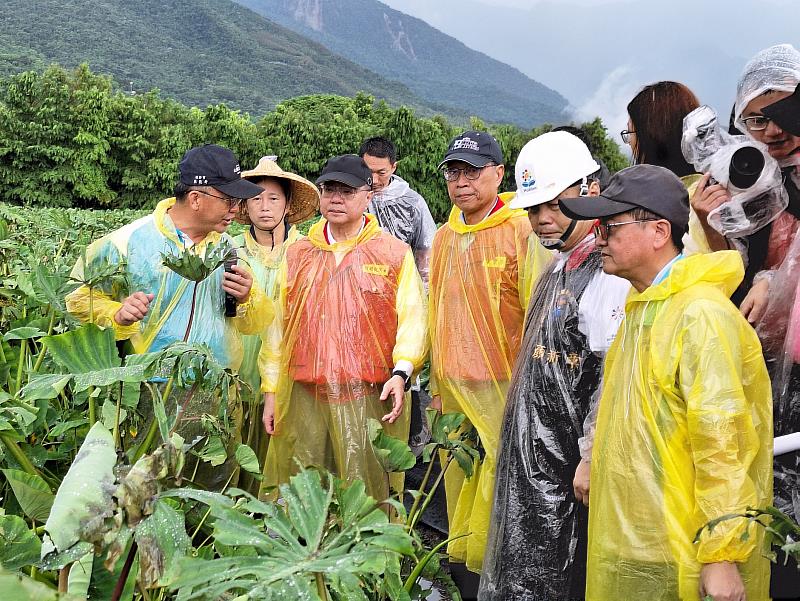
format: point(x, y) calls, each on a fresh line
point(435, 66)
point(199, 52)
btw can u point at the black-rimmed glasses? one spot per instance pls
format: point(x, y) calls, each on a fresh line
point(601, 229)
point(626, 134)
point(233, 203)
point(452, 174)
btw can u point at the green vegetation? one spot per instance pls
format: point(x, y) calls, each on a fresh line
point(72, 139)
point(197, 52)
point(99, 504)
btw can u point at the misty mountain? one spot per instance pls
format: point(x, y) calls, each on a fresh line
point(436, 67)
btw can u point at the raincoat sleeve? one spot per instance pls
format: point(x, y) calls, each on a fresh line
point(257, 312)
point(412, 327)
point(721, 427)
point(269, 357)
point(96, 304)
point(425, 231)
point(586, 442)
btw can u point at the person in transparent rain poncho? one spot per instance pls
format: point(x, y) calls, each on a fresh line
point(480, 265)
point(772, 257)
point(684, 422)
point(162, 307)
point(537, 536)
point(286, 200)
point(349, 333)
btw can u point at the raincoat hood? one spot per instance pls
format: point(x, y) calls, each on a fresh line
point(316, 235)
point(504, 213)
point(723, 270)
point(397, 188)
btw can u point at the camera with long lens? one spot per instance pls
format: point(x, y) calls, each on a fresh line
point(741, 165)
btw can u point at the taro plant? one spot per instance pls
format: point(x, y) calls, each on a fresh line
point(192, 266)
point(451, 440)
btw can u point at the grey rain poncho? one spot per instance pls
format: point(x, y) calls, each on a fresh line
point(536, 548)
point(406, 216)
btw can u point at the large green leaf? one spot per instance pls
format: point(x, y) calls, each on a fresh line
point(85, 493)
point(32, 493)
point(19, 546)
point(87, 349)
point(44, 386)
point(23, 333)
point(161, 538)
point(17, 587)
point(247, 460)
point(393, 453)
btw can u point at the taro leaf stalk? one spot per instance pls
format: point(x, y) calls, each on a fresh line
point(196, 268)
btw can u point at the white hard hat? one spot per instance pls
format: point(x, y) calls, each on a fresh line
point(548, 165)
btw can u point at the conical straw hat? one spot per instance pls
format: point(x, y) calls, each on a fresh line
point(305, 196)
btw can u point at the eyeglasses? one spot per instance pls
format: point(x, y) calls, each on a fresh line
point(626, 134)
point(601, 229)
point(756, 122)
point(233, 203)
point(451, 174)
point(345, 192)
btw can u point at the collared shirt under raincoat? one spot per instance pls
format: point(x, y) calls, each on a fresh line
point(140, 245)
point(536, 548)
point(684, 435)
point(348, 312)
point(264, 263)
point(405, 215)
point(477, 306)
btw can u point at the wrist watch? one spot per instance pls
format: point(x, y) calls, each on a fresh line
point(405, 376)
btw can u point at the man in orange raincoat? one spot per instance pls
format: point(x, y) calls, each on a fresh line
point(349, 332)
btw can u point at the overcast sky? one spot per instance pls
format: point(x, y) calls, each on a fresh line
point(599, 53)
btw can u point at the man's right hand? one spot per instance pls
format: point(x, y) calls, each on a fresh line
point(580, 483)
point(704, 200)
point(268, 418)
point(436, 403)
point(133, 308)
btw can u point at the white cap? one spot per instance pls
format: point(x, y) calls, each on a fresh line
point(548, 165)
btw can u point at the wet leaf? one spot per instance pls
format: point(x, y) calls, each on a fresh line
point(247, 460)
point(393, 454)
point(19, 546)
point(32, 493)
point(85, 492)
point(161, 538)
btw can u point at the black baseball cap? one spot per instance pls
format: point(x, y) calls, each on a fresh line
point(649, 187)
point(212, 165)
point(786, 112)
point(348, 169)
point(477, 148)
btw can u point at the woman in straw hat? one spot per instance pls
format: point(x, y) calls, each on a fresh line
point(287, 199)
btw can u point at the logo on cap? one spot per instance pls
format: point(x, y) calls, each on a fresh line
point(466, 144)
point(527, 180)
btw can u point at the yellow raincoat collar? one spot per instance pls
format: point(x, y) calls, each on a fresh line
point(723, 270)
point(167, 228)
point(503, 214)
point(316, 235)
point(263, 253)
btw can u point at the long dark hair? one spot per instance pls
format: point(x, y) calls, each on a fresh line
point(657, 114)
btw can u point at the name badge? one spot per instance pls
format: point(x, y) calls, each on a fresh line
point(496, 263)
point(376, 269)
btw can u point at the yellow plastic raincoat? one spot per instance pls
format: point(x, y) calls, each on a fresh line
point(140, 245)
point(347, 313)
point(480, 278)
point(684, 435)
point(264, 263)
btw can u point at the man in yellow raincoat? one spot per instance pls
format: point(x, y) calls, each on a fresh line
point(349, 333)
point(477, 306)
point(162, 307)
point(684, 426)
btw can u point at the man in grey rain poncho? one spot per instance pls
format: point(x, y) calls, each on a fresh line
point(400, 210)
point(537, 538)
